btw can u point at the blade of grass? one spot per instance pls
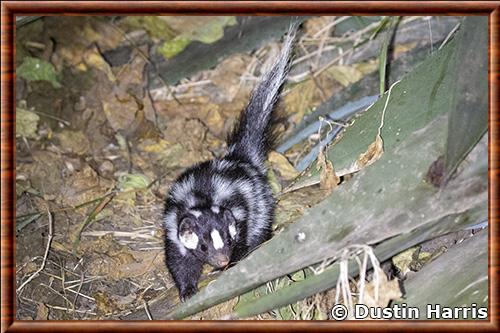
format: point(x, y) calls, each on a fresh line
point(102, 202)
point(382, 60)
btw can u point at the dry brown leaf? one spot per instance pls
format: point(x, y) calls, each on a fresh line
point(82, 186)
point(26, 123)
point(211, 115)
point(117, 261)
point(104, 304)
point(345, 75)
point(227, 75)
point(315, 24)
point(388, 290)
point(45, 172)
point(94, 59)
point(273, 181)
point(73, 141)
point(305, 96)
point(328, 178)
point(372, 154)
point(153, 146)
point(30, 267)
point(404, 260)
point(299, 100)
point(366, 67)
point(403, 48)
point(122, 114)
point(42, 312)
point(283, 166)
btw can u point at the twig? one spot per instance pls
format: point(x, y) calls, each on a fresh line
point(78, 291)
point(57, 293)
point(42, 266)
point(146, 308)
point(70, 310)
point(65, 122)
point(330, 25)
point(455, 28)
point(119, 234)
point(64, 289)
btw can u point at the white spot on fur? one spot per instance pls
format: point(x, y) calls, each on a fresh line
point(223, 188)
point(238, 213)
point(215, 209)
point(216, 239)
point(232, 230)
point(222, 165)
point(181, 191)
point(190, 200)
point(246, 189)
point(196, 213)
point(170, 220)
point(189, 240)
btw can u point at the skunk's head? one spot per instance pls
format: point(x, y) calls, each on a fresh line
point(210, 234)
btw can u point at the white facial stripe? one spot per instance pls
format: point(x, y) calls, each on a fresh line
point(196, 213)
point(216, 239)
point(232, 230)
point(189, 240)
point(215, 209)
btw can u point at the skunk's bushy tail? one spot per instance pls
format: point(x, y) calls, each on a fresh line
point(253, 137)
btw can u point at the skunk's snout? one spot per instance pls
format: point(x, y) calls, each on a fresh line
point(220, 260)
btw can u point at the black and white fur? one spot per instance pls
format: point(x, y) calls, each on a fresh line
point(220, 210)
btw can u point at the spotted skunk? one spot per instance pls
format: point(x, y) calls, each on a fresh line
point(218, 211)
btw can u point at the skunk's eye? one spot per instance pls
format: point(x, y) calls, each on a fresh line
point(203, 247)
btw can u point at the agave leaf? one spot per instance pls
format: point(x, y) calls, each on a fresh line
point(468, 120)
point(433, 282)
point(326, 280)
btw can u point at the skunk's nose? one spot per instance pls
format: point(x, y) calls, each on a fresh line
point(221, 260)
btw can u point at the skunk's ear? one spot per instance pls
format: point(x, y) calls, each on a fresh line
point(187, 223)
point(228, 216)
point(231, 223)
point(187, 235)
